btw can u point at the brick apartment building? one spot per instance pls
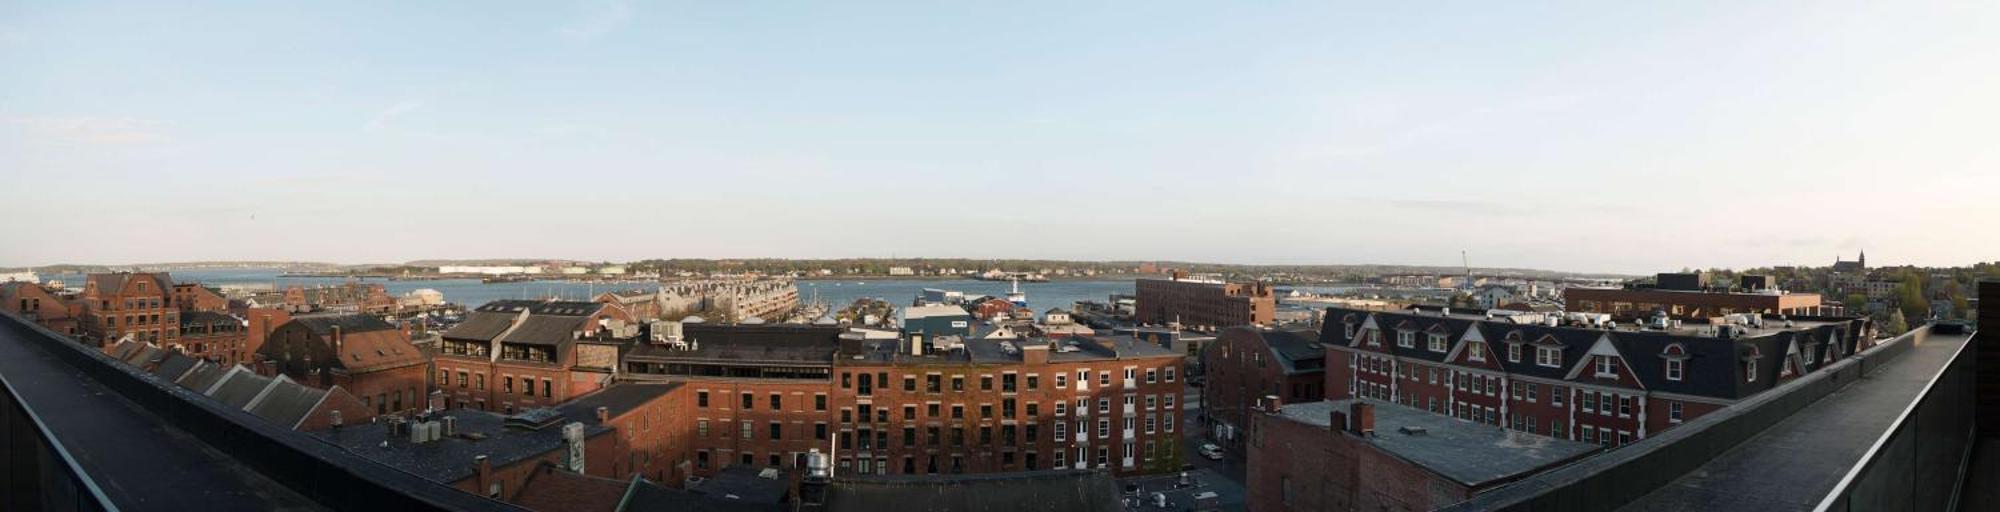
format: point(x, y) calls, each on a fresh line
point(759, 394)
point(1203, 304)
point(214, 337)
point(38, 305)
point(370, 358)
point(1690, 296)
point(514, 355)
point(1330, 455)
point(650, 420)
point(117, 304)
point(764, 395)
point(990, 407)
point(1246, 364)
point(1551, 375)
point(190, 297)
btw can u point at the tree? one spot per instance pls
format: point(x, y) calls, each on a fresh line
point(1896, 325)
point(1910, 299)
point(1856, 303)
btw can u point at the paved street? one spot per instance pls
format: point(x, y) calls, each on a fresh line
point(1222, 477)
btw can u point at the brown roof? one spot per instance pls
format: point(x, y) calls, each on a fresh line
point(378, 350)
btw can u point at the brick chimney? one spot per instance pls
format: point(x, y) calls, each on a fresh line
point(482, 473)
point(1362, 418)
point(1034, 354)
point(1272, 404)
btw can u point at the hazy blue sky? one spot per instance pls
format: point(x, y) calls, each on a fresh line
point(1593, 136)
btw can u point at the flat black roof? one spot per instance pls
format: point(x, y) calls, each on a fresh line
point(138, 460)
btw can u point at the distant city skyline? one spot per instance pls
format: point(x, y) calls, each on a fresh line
point(1588, 138)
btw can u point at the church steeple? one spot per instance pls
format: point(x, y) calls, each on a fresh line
point(1862, 258)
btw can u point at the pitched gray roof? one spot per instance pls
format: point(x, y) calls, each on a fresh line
point(240, 388)
point(286, 403)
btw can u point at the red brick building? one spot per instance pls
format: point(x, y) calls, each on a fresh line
point(1203, 304)
point(371, 358)
point(990, 407)
point(371, 298)
point(1247, 364)
point(37, 304)
point(261, 321)
point(190, 297)
point(1551, 375)
point(765, 395)
point(1330, 455)
point(117, 304)
point(516, 355)
point(214, 337)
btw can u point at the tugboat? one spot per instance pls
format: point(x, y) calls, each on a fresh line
point(1016, 296)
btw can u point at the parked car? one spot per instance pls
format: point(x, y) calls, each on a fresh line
point(1211, 451)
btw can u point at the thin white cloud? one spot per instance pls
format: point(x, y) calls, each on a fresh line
point(599, 18)
point(90, 129)
point(383, 118)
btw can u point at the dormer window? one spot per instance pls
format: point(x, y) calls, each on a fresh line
point(1676, 360)
point(1548, 356)
point(1607, 367)
point(1406, 339)
point(1475, 351)
point(1437, 343)
point(1513, 352)
point(1349, 330)
point(1750, 370)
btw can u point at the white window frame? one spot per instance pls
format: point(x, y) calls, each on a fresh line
point(1674, 369)
point(1604, 367)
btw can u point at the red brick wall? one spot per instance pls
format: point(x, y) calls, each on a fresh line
point(975, 457)
point(1240, 369)
point(724, 416)
point(337, 399)
point(1301, 467)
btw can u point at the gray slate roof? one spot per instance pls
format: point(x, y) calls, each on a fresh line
point(240, 387)
point(286, 403)
point(1470, 453)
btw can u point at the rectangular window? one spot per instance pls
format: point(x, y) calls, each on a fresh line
point(910, 383)
point(819, 402)
point(1062, 381)
point(957, 383)
point(1606, 366)
point(1062, 431)
point(1170, 374)
point(776, 401)
point(777, 430)
point(749, 401)
point(1673, 369)
point(701, 399)
point(1624, 407)
point(1406, 339)
point(701, 428)
point(1674, 411)
point(1556, 395)
point(1513, 352)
